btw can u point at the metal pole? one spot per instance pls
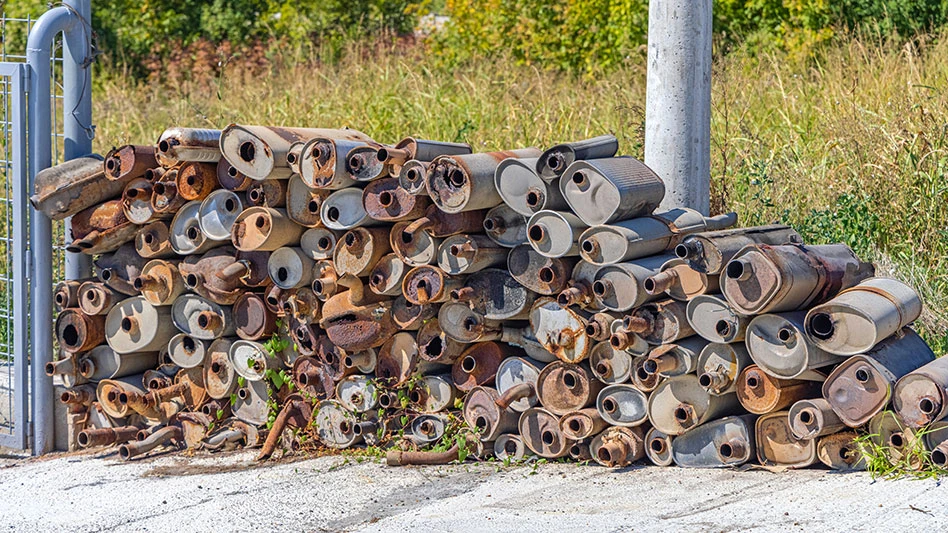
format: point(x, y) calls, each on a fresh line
point(77, 111)
point(38, 51)
point(678, 101)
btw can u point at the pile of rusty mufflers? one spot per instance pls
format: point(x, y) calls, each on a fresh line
point(257, 284)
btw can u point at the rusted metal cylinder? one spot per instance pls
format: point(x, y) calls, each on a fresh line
point(459, 183)
point(215, 276)
point(478, 364)
point(313, 378)
point(463, 324)
point(253, 320)
point(625, 240)
point(618, 446)
point(675, 359)
point(435, 346)
point(709, 252)
point(658, 448)
point(101, 228)
point(195, 181)
point(679, 404)
point(202, 318)
point(294, 155)
point(220, 377)
point(108, 392)
point(230, 178)
point(66, 294)
point(290, 268)
point(599, 325)
point(419, 149)
point(187, 351)
point(218, 212)
point(524, 191)
point(119, 269)
point(776, 445)
point(766, 279)
point(813, 418)
point(466, 254)
point(323, 162)
point(579, 289)
point(325, 280)
point(136, 202)
point(386, 200)
point(505, 226)
point(412, 177)
point(712, 318)
point(302, 305)
point(303, 204)
point(73, 186)
point(862, 316)
point(839, 451)
point(605, 190)
point(296, 413)
point(185, 232)
point(896, 439)
point(415, 248)
point(79, 332)
point(90, 438)
point(319, 243)
point(102, 362)
point(267, 193)
point(642, 380)
point(510, 448)
point(260, 152)
point(410, 317)
point(921, 396)
point(540, 431)
point(426, 429)
point(719, 365)
point(434, 394)
point(264, 229)
point(357, 393)
point(564, 387)
point(679, 281)
point(129, 161)
point(400, 458)
point(160, 282)
point(582, 424)
point(862, 385)
point(544, 275)
point(429, 284)
point(760, 393)
point(364, 165)
point(251, 403)
point(79, 396)
point(610, 365)
point(493, 293)
point(779, 346)
point(188, 144)
point(620, 287)
point(67, 367)
point(96, 298)
point(526, 339)
point(622, 405)
point(165, 199)
point(728, 441)
point(554, 161)
point(482, 413)
point(659, 322)
point(386, 276)
point(154, 241)
point(343, 210)
point(359, 250)
point(561, 330)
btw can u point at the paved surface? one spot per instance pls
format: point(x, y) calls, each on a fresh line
point(231, 493)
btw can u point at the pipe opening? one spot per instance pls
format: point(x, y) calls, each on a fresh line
point(332, 214)
point(571, 380)
point(193, 233)
point(377, 280)
point(382, 154)
point(291, 158)
point(149, 238)
point(232, 172)
point(726, 450)
point(548, 437)
point(603, 369)
point(243, 394)
point(203, 320)
point(324, 243)
point(105, 274)
point(164, 146)
point(534, 199)
point(70, 335)
point(511, 447)
point(159, 189)
point(62, 299)
point(604, 454)
point(189, 345)
point(536, 233)
point(938, 457)
point(681, 414)
point(862, 375)
point(480, 422)
point(579, 178)
point(283, 273)
point(806, 417)
point(190, 180)
point(599, 288)
point(413, 175)
point(704, 380)
point(255, 194)
point(356, 162)
point(785, 334)
point(247, 151)
point(434, 347)
point(123, 398)
point(588, 246)
point(468, 364)
point(753, 381)
point(313, 206)
point(926, 405)
point(124, 452)
point(83, 439)
point(547, 275)
point(592, 329)
point(896, 440)
point(489, 224)
point(50, 369)
point(650, 366)
point(386, 198)
point(609, 405)
point(216, 367)
point(723, 328)
point(191, 280)
point(574, 425)
point(112, 396)
point(556, 162)
point(822, 326)
point(385, 400)
point(455, 250)
point(260, 222)
point(657, 445)
point(345, 426)
point(471, 323)
point(317, 288)
point(642, 374)
point(456, 177)
point(414, 396)
point(132, 193)
point(110, 164)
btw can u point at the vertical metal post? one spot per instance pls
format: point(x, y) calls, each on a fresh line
point(65, 19)
point(77, 111)
point(678, 101)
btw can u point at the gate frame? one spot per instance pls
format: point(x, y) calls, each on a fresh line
point(18, 181)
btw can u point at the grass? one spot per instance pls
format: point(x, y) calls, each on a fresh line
point(851, 147)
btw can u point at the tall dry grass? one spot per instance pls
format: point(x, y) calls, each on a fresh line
point(850, 147)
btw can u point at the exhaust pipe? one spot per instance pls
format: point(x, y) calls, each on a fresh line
point(79, 332)
point(617, 447)
point(154, 241)
point(813, 418)
point(712, 318)
point(540, 432)
point(728, 441)
point(505, 226)
point(778, 345)
point(565, 387)
point(160, 282)
point(196, 180)
point(429, 284)
point(554, 234)
point(386, 200)
point(386, 276)
point(478, 364)
point(319, 243)
point(267, 193)
point(459, 183)
point(343, 210)
point(303, 204)
point(622, 405)
point(561, 330)
point(631, 278)
point(548, 276)
point(323, 163)
point(359, 250)
point(290, 268)
point(761, 393)
point(66, 294)
point(776, 445)
point(264, 229)
point(661, 322)
point(680, 404)
point(552, 164)
point(709, 252)
point(129, 162)
point(720, 365)
point(188, 144)
point(524, 191)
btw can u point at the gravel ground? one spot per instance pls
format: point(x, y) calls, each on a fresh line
point(231, 493)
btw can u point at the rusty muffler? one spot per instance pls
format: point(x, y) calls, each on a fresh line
point(760, 393)
point(129, 161)
point(710, 252)
point(264, 229)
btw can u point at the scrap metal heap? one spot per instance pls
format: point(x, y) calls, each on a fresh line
point(259, 285)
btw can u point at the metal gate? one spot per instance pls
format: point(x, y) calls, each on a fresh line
point(14, 271)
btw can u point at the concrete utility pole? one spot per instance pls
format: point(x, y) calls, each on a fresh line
point(678, 101)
